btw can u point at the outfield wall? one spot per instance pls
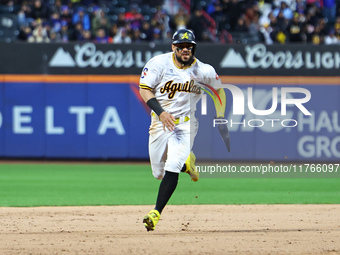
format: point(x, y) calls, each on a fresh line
point(103, 120)
point(90, 108)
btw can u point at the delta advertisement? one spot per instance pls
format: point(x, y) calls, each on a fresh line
point(67, 120)
point(110, 121)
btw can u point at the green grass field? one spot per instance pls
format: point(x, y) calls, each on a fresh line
point(133, 184)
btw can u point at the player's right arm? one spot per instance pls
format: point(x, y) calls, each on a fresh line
point(150, 99)
point(150, 76)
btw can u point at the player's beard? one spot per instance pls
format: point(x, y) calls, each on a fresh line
point(185, 63)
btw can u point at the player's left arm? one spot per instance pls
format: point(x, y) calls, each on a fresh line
point(220, 105)
point(212, 78)
point(220, 111)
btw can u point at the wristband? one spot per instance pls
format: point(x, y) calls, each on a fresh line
point(155, 106)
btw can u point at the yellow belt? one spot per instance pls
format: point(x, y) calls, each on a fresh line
point(186, 118)
point(177, 120)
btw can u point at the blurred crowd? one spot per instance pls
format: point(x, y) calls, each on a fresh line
point(276, 21)
point(222, 21)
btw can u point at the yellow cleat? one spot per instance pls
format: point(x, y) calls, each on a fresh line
point(190, 167)
point(151, 219)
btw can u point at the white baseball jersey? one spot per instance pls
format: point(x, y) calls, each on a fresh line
point(177, 89)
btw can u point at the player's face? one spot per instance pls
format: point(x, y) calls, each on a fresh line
point(183, 52)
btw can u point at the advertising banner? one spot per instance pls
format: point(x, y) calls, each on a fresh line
point(2, 116)
point(277, 60)
point(24, 134)
point(73, 120)
point(76, 58)
point(123, 59)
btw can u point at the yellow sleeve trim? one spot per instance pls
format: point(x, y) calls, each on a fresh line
point(143, 86)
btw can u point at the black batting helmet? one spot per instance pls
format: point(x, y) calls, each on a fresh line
point(183, 36)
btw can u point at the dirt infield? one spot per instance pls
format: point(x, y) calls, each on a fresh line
point(198, 229)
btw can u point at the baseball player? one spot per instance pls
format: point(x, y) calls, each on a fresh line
point(171, 85)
